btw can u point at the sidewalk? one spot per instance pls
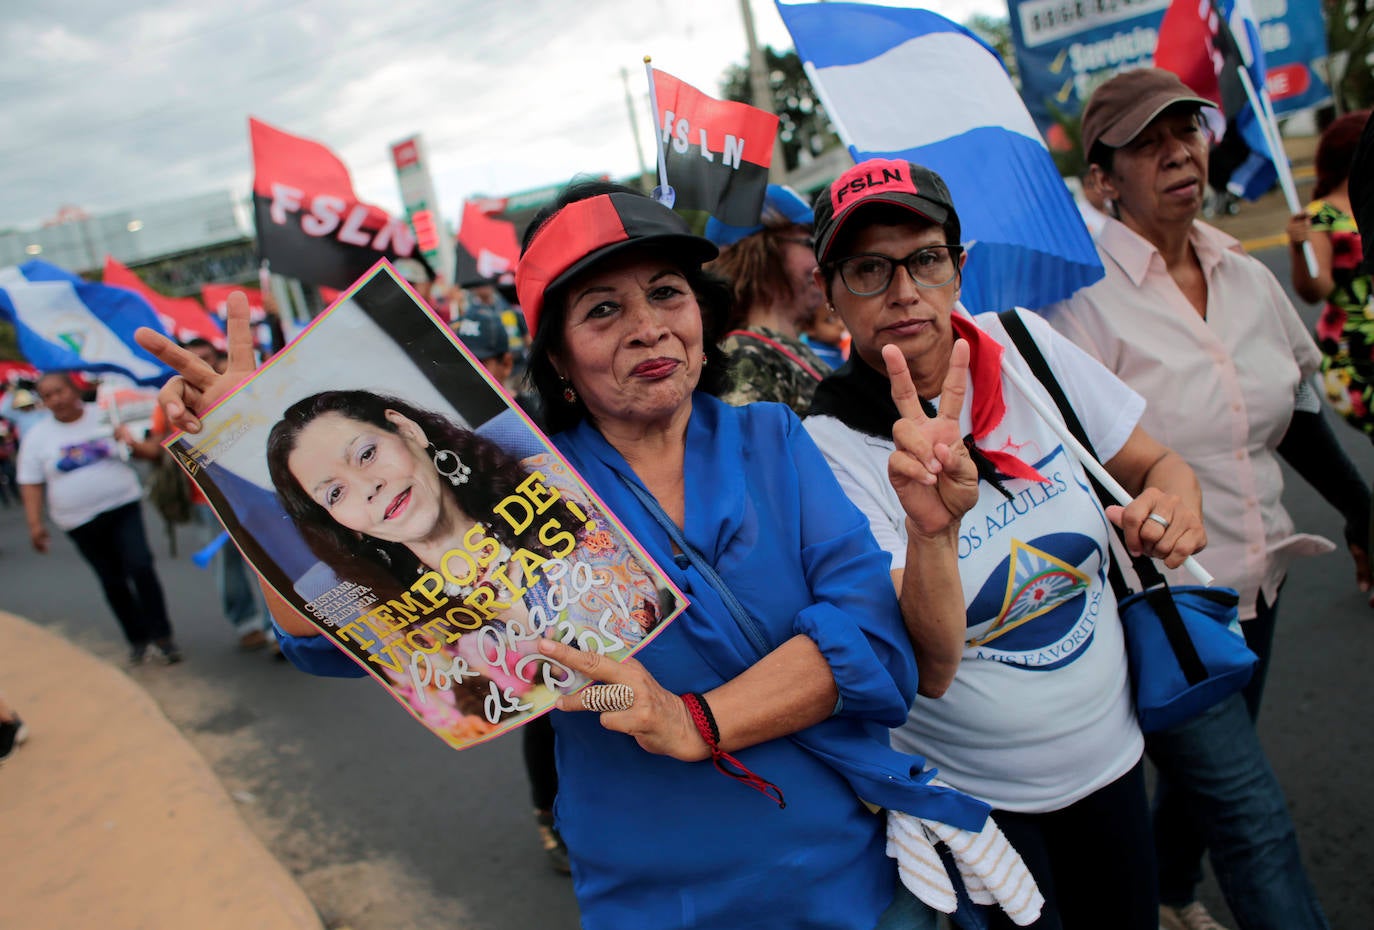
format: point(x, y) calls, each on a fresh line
point(110, 819)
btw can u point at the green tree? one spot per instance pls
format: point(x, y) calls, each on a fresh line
point(9, 344)
point(996, 32)
point(1350, 38)
point(802, 122)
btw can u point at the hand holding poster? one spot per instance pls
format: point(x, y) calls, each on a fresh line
point(384, 485)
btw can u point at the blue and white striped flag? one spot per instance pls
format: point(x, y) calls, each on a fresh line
point(67, 324)
point(910, 84)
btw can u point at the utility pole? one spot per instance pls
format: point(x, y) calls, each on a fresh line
point(760, 88)
point(634, 128)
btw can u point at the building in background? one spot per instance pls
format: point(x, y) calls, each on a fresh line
point(174, 245)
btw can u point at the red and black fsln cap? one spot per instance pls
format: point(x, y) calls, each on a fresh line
point(588, 231)
point(879, 180)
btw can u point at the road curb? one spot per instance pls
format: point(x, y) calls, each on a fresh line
point(111, 818)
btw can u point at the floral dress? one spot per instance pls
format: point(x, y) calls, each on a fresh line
point(1345, 329)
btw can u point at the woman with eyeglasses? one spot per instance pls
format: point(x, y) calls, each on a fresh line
point(1023, 701)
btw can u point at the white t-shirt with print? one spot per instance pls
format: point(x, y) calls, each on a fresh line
point(80, 464)
point(1039, 714)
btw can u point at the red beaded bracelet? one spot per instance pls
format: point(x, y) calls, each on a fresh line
point(726, 764)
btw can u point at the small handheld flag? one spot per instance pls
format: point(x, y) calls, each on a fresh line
point(1214, 47)
point(487, 247)
point(714, 154)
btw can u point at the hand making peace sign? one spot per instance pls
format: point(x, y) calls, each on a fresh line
point(198, 387)
point(931, 471)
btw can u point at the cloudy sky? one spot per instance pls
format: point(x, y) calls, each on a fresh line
point(108, 106)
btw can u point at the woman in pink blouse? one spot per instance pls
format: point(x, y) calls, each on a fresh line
point(1208, 336)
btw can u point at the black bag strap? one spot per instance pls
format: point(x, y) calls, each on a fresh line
point(1156, 588)
point(1030, 351)
point(750, 627)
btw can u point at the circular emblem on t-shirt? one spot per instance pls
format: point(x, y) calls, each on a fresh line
point(1038, 607)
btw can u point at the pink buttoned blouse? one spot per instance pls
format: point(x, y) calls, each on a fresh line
point(1219, 390)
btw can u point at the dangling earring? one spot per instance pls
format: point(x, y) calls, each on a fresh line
point(569, 394)
point(704, 359)
point(456, 475)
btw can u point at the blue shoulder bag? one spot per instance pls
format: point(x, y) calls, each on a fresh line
point(1183, 642)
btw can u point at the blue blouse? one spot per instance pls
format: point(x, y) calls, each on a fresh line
point(660, 843)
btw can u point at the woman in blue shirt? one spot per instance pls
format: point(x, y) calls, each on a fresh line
point(791, 662)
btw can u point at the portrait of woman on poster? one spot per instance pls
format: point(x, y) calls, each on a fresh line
point(382, 491)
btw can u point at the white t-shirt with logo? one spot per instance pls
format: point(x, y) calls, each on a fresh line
point(80, 464)
point(1039, 714)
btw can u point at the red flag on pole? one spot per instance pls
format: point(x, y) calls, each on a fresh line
point(216, 298)
point(183, 317)
point(716, 153)
point(487, 247)
point(311, 224)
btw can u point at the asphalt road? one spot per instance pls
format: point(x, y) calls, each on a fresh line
point(388, 828)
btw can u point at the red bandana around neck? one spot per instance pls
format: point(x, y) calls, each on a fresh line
point(985, 369)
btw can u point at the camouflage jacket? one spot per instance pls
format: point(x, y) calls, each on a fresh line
point(758, 371)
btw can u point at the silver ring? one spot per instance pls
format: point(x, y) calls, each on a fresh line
point(1158, 519)
point(607, 698)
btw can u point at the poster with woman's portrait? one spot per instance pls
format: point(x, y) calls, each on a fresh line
point(390, 490)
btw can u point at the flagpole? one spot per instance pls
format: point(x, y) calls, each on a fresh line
point(761, 90)
point(658, 129)
point(1269, 126)
point(1086, 458)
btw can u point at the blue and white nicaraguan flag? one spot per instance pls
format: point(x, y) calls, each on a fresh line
point(64, 323)
point(910, 84)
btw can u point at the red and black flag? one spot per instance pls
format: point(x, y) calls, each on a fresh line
point(183, 317)
point(311, 225)
point(716, 153)
point(487, 248)
point(1208, 44)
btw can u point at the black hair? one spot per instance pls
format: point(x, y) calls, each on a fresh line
point(1336, 151)
point(1102, 155)
point(713, 296)
point(390, 567)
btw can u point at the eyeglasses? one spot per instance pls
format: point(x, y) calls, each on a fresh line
point(799, 240)
point(869, 273)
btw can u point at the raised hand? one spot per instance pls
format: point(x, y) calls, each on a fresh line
point(931, 471)
point(197, 386)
